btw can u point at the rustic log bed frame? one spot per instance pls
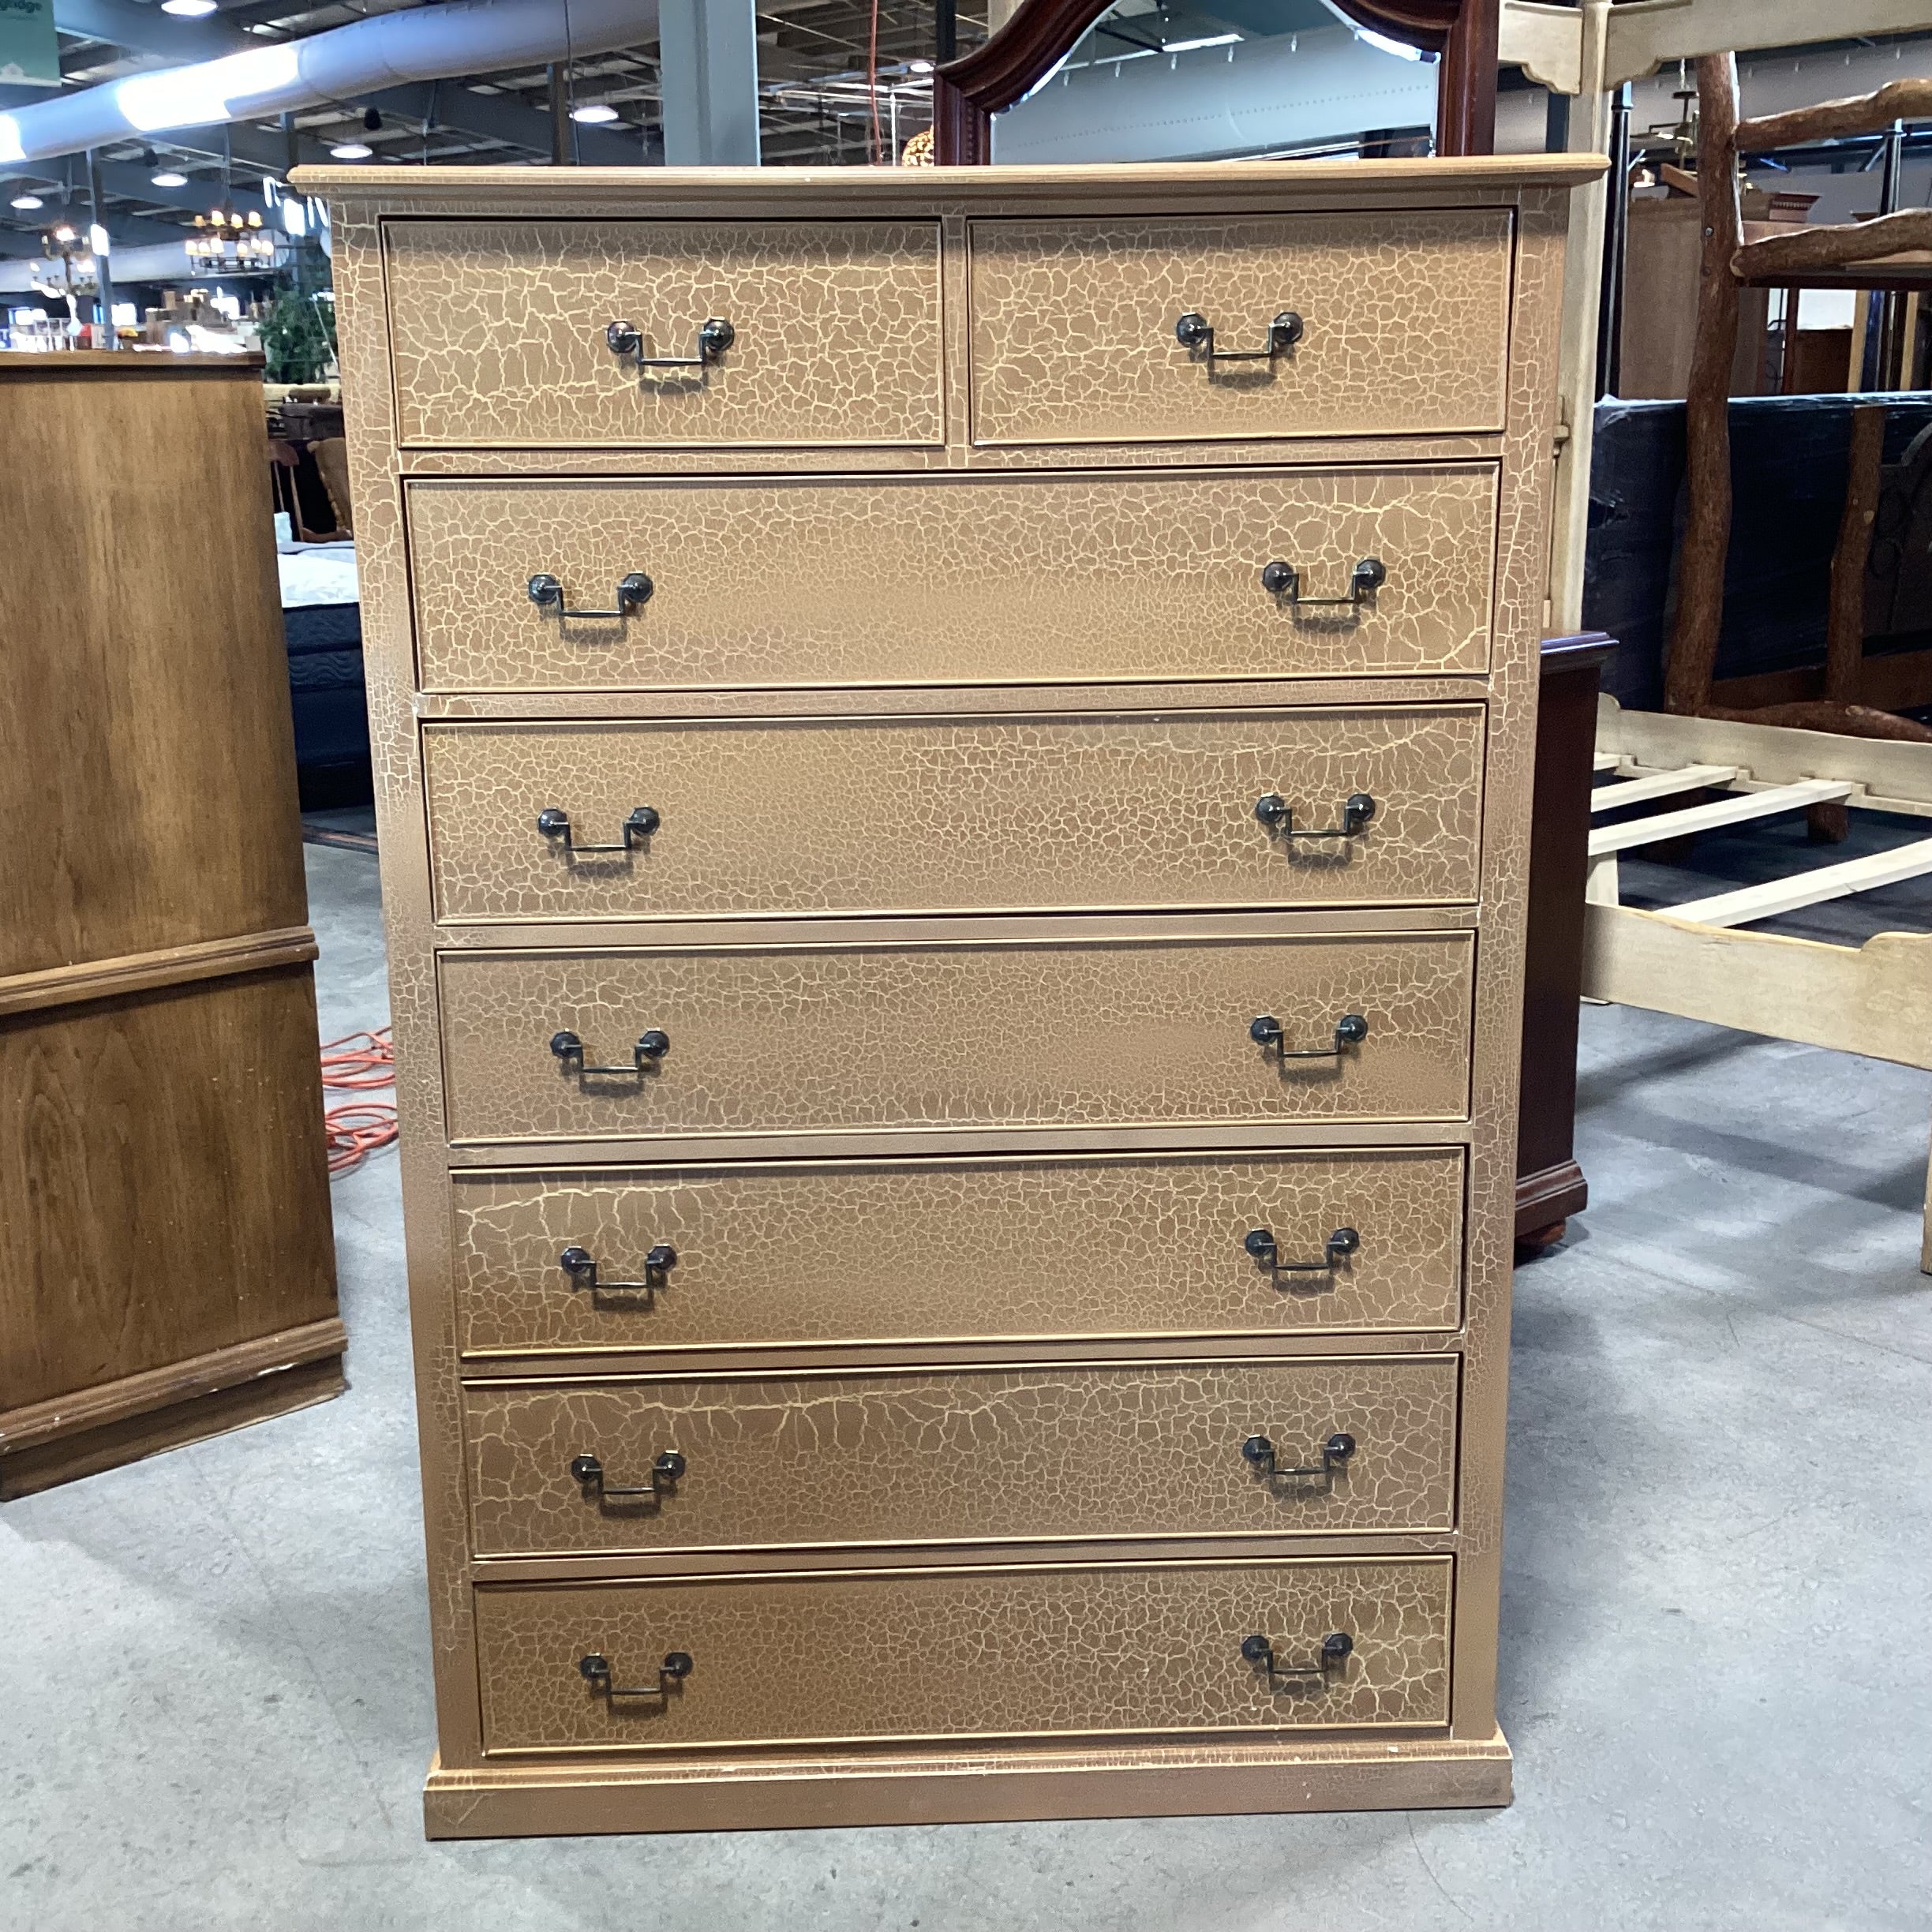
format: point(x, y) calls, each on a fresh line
point(1695, 959)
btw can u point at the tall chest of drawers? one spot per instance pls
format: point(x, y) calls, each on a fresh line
point(954, 756)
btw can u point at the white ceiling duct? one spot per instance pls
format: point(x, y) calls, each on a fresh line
point(418, 43)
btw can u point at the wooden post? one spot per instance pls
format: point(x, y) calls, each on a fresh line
point(1844, 626)
point(1707, 418)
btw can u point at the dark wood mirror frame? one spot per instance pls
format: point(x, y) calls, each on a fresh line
point(967, 93)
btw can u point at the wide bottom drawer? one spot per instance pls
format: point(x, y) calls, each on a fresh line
point(846, 1657)
point(1019, 1454)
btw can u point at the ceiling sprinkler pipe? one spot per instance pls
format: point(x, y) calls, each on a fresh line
point(419, 43)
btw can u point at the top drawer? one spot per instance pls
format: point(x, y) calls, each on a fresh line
point(1402, 319)
point(498, 333)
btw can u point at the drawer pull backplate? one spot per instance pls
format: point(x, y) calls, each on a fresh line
point(1350, 1031)
point(1336, 1648)
point(634, 588)
point(553, 821)
point(665, 1472)
point(715, 336)
point(651, 1047)
point(1278, 815)
point(596, 1672)
point(1284, 581)
point(1259, 1453)
point(1194, 331)
point(581, 1265)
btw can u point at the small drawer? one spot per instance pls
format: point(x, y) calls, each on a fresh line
point(502, 333)
point(984, 579)
point(1113, 1245)
point(905, 1655)
point(972, 814)
point(1025, 1453)
point(931, 1037)
point(1374, 323)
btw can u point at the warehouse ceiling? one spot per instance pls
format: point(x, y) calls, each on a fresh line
point(817, 61)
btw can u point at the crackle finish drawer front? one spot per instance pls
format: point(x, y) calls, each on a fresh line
point(976, 579)
point(1025, 1453)
point(1082, 1649)
point(500, 333)
point(1255, 809)
point(1106, 1246)
point(1372, 323)
point(920, 1038)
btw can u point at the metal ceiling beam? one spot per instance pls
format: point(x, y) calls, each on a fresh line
point(147, 30)
point(502, 117)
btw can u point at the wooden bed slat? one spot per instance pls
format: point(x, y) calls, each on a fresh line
point(1659, 785)
point(1724, 811)
point(1804, 888)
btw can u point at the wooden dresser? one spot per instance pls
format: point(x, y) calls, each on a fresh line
point(955, 751)
point(167, 1265)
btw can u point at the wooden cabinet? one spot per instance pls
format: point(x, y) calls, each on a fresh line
point(167, 1263)
point(955, 876)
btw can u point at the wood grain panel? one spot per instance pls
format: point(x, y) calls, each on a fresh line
point(821, 1039)
point(163, 1191)
point(1025, 1453)
point(1087, 1649)
point(1405, 317)
point(144, 685)
point(967, 814)
point(970, 1250)
point(497, 332)
point(966, 579)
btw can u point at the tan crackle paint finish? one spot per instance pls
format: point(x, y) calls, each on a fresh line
point(997, 1653)
point(977, 579)
point(1073, 326)
point(498, 332)
point(972, 1250)
point(823, 1040)
point(954, 683)
point(973, 815)
point(1018, 1454)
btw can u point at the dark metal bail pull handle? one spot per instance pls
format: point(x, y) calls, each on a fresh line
point(1336, 1648)
point(715, 336)
point(1261, 1243)
point(553, 821)
point(596, 1672)
point(1194, 331)
point(651, 1047)
point(634, 588)
point(581, 1265)
point(1278, 815)
point(1283, 580)
point(1350, 1031)
point(1259, 1451)
point(664, 1477)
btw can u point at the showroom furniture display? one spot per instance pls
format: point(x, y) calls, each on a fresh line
point(166, 1260)
point(954, 753)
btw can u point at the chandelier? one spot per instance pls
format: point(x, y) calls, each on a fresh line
point(225, 239)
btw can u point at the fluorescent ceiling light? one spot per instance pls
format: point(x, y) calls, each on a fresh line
point(594, 113)
point(351, 151)
point(1386, 46)
point(1190, 46)
point(170, 178)
point(28, 201)
point(97, 239)
point(193, 96)
point(10, 147)
point(188, 9)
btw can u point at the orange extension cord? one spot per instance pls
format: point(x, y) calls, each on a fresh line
point(361, 1062)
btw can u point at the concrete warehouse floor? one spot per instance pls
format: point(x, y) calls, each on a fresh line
point(214, 1685)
